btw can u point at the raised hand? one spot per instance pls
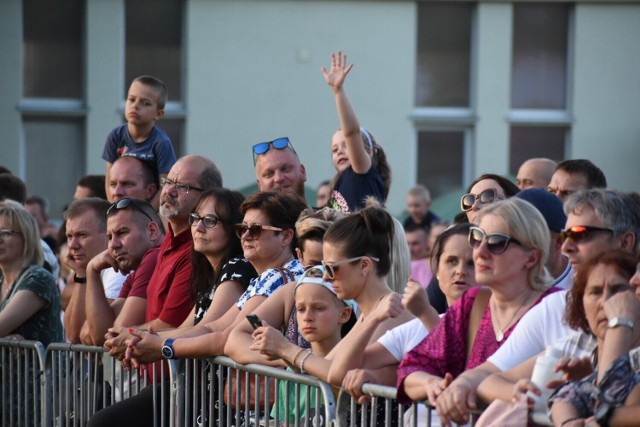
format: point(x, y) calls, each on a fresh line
point(388, 307)
point(415, 298)
point(338, 72)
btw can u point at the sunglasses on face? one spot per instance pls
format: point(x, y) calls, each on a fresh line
point(497, 243)
point(255, 230)
point(125, 204)
point(582, 233)
point(278, 144)
point(180, 187)
point(209, 221)
point(330, 268)
point(487, 196)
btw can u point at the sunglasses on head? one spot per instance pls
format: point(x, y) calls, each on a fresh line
point(209, 221)
point(497, 243)
point(330, 268)
point(581, 233)
point(125, 204)
point(278, 144)
point(255, 230)
point(487, 196)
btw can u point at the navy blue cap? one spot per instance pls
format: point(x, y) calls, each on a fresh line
point(549, 205)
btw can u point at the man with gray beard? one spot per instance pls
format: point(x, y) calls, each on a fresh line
point(168, 293)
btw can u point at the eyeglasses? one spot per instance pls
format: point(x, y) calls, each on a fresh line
point(487, 196)
point(209, 221)
point(255, 230)
point(581, 233)
point(278, 144)
point(6, 234)
point(497, 243)
point(330, 268)
point(124, 204)
point(182, 188)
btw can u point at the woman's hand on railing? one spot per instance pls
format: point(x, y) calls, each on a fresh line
point(455, 402)
point(353, 382)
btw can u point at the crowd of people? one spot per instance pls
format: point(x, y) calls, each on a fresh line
point(157, 259)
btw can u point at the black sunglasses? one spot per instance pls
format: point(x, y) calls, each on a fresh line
point(487, 196)
point(330, 268)
point(581, 233)
point(497, 243)
point(255, 230)
point(278, 144)
point(126, 203)
point(209, 221)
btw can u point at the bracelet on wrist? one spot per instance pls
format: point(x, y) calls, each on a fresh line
point(81, 280)
point(293, 361)
point(303, 359)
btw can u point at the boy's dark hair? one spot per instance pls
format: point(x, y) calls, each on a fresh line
point(95, 184)
point(4, 169)
point(12, 187)
point(595, 176)
point(158, 85)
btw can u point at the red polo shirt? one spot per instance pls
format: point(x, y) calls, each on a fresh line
point(168, 292)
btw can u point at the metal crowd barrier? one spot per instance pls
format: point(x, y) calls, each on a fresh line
point(22, 375)
point(66, 384)
point(221, 392)
point(384, 410)
point(85, 379)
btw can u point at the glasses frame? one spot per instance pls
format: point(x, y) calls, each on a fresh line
point(483, 194)
point(330, 268)
point(5, 233)
point(124, 204)
point(569, 233)
point(278, 143)
point(180, 187)
point(255, 230)
point(194, 220)
point(491, 246)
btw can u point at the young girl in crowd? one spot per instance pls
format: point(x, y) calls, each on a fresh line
point(361, 163)
point(320, 317)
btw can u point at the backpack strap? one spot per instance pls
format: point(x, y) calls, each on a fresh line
point(477, 310)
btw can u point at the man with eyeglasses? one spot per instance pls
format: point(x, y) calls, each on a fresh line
point(168, 293)
point(86, 231)
point(278, 167)
point(135, 232)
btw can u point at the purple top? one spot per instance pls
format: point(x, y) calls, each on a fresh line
point(445, 348)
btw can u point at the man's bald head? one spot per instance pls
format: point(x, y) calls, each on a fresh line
point(535, 173)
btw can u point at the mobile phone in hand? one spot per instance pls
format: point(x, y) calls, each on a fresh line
point(254, 320)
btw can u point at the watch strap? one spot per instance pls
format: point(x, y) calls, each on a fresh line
point(614, 322)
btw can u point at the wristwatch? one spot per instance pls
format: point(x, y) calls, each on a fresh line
point(604, 414)
point(167, 348)
point(614, 322)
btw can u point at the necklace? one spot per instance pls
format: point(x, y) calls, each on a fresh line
point(374, 308)
point(500, 333)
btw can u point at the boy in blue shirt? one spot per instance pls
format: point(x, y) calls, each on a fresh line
point(139, 137)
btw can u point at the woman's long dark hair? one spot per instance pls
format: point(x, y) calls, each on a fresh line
point(204, 275)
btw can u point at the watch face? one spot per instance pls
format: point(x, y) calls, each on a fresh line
point(167, 350)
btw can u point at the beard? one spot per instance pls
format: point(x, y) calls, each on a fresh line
point(169, 212)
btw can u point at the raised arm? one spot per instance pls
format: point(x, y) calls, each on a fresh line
point(358, 156)
point(100, 315)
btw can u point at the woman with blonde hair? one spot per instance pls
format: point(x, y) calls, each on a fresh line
point(510, 248)
point(29, 297)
